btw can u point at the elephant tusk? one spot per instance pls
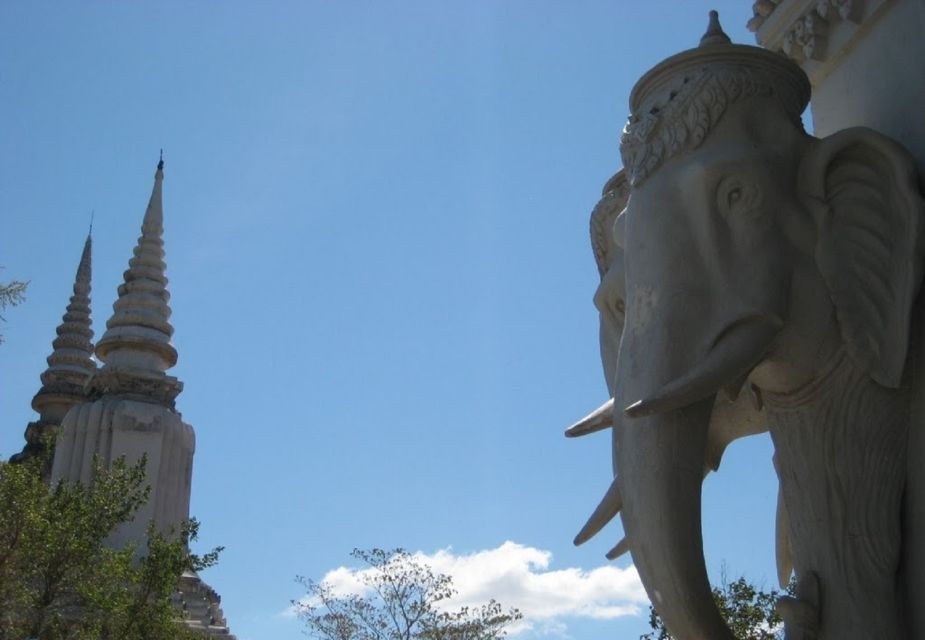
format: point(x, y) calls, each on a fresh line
point(599, 419)
point(619, 549)
point(734, 355)
point(609, 507)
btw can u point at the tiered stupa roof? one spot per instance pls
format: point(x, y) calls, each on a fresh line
point(136, 349)
point(70, 364)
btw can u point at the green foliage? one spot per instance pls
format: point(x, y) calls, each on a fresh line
point(750, 613)
point(404, 600)
point(58, 579)
point(11, 294)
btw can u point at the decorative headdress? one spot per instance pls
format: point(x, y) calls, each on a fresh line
point(676, 104)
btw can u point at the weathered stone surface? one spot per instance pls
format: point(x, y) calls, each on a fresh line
point(201, 607)
point(115, 426)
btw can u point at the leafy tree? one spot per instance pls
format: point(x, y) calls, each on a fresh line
point(59, 580)
point(11, 294)
point(405, 600)
point(749, 612)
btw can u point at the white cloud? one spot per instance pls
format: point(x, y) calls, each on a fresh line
point(520, 576)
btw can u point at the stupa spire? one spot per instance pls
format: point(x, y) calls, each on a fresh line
point(70, 364)
point(73, 348)
point(136, 347)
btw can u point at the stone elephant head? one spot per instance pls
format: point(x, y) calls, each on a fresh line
point(757, 277)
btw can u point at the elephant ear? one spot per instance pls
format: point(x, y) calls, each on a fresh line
point(862, 189)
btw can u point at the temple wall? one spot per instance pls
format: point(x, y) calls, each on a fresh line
point(864, 58)
point(880, 82)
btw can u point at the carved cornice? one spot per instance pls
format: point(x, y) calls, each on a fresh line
point(813, 33)
point(147, 386)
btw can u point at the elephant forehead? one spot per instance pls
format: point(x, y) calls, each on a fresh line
point(699, 171)
point(751, 139)
point(675, 218)
point(662, 242)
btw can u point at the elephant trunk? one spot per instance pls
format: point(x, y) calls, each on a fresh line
point(660, 454)
point(661, 470)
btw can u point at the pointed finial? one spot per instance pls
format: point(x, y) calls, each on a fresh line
point(160, 162)
point(92, 213)
point(714, 34)
point(83, 269)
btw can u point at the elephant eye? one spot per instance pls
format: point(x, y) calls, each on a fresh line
point(736, 197)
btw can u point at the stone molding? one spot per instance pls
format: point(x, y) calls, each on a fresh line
point(137, 384)
point(813, 33)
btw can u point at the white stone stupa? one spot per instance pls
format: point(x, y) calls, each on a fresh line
point(130, 411)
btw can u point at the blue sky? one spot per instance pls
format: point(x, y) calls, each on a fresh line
point(377, 243)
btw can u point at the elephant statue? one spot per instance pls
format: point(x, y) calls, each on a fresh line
point(755, 278)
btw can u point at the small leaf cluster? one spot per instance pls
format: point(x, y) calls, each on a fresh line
point(11, 294)
point(58, 577)
point(404, 600)
point(750, 613)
